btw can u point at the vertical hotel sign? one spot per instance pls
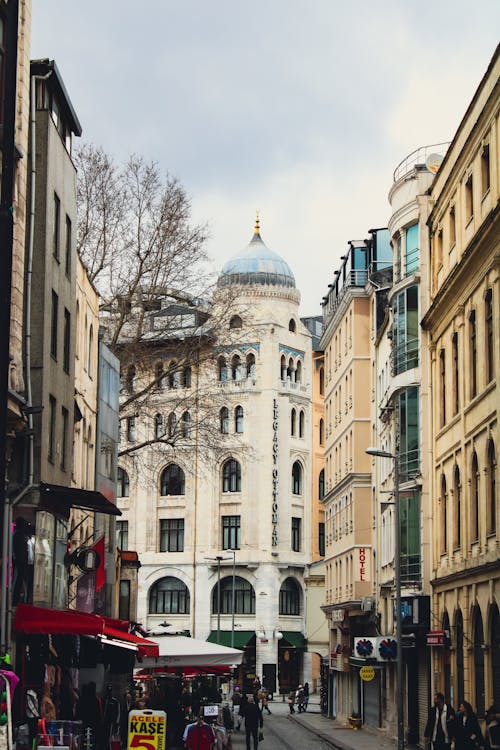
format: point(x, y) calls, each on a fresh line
point(274, 526)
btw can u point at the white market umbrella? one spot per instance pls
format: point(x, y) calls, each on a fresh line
point(179, 651)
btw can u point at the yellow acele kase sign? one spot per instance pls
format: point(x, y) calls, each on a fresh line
point(147, 729)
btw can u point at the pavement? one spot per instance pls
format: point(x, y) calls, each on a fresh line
point(337, 734)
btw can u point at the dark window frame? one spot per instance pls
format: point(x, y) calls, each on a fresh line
point(172, 481)
point(244, 597)
point(171, 535)
point(67, 341)
point(54, 320)
point(122, 535)
point(231, 532)
point(169, 596)
point(231, 476)
point(296, 534)
point(56, 239)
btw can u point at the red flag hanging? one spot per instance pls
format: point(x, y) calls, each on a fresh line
point(100, 573)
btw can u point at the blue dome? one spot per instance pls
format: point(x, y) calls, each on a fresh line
point(257, 264)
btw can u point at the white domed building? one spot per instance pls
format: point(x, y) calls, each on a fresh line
point(248, 501)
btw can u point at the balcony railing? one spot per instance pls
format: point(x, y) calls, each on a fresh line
point(419, 156)
point(409, 465)
point(405, 356)
point(410, 570)
point(353, 278)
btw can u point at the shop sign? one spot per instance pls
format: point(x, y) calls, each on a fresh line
point(274, 512)
point(367, 673)
point(338, 615)
point(436, 638)
point(147, 729)
point(211, 711)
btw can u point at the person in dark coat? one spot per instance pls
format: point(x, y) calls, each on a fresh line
point(468, 735)
point(441, 724)
point(253, 720)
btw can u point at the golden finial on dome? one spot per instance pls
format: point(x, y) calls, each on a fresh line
point(257, 223)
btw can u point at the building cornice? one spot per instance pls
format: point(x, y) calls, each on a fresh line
point(465, 573)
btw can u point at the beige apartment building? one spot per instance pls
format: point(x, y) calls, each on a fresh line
point(463, 327)
point(348, 503)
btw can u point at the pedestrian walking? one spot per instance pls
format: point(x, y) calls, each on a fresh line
point(291, 701)
point(299, 699)
point(468, 735)
point(253, 721)
point(265, 700)
point(237, 698)
point(306, 695)
point(492, 719)
point(441, 724)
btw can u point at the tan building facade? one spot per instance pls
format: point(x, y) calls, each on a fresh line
point(463, 327)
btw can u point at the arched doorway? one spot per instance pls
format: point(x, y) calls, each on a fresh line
point(495, 653)
point(477, 620)
point(446, 655)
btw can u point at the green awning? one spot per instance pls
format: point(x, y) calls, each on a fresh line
point(294, 639)
point(241, 638)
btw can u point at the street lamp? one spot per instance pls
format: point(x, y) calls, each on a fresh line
point(397, 585)
point(218, 559)
point(233, 596)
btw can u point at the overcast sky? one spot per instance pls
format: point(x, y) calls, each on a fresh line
point(301, 109)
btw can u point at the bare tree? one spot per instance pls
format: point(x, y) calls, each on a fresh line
point(150, 267)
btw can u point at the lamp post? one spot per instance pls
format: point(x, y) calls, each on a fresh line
point(218, 559)
point(233, 595)
point(397, 586)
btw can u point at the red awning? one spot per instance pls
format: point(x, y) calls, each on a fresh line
point(38, 620)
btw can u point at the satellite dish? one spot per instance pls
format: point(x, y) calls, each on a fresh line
point(433, 162)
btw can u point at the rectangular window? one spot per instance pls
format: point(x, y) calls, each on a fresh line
point(453, 227)
point(68, 246)
point(296, 524)
point(469, 201)
point(231, 532)
point(172, 535)
point(52, 428)
point(122, 535)
point(442, 387)
point(131, 429)
point(321, 539)
point(439, 248)
point(124, 601)
point(412, 249)
point(64, 440)
point(53, 324)
point(57, 222)
point(67, 339)
point(485, 169)
point(409, 445)
point(456, 390)
point(410, 538)
point(405, 349)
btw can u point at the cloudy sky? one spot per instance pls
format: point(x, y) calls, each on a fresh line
point(299, 108)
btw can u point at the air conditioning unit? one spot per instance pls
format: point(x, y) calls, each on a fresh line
point(367, 603)
point(365, 647)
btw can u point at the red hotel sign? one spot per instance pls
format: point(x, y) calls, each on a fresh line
point(436, 638)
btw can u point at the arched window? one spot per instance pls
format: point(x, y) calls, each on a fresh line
point(473, 354)
point(186, 425)
point(459, 646)
point(224, 420)
point(488, 324)
point(297, 478)
point(495, 650)
point(172, 481)
point(444, 515)
point(159, 375)
point(222, 368)
point(235, 322)
point(457, 510)
point(321, 381)
point(321, 432)
point(442, 386)
point(231, 476)
point(298, 372)
point(186, 377)
point(456, 364)
point(130, 379)
point(301, 424)
point(478, 630)
point(292, 325)
point(491, 521)
point(289, 597)
point(250, 365)
point(321, 484)
point(238, 420)
point(474, 499)
point(122, 483)
point(169, 596)
point(91, 350)
point(283, 367)
point(171, 424)
point(236, 373)
point(290, 371)
point(244, 597)
point(293, 421)
point(159, 431)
